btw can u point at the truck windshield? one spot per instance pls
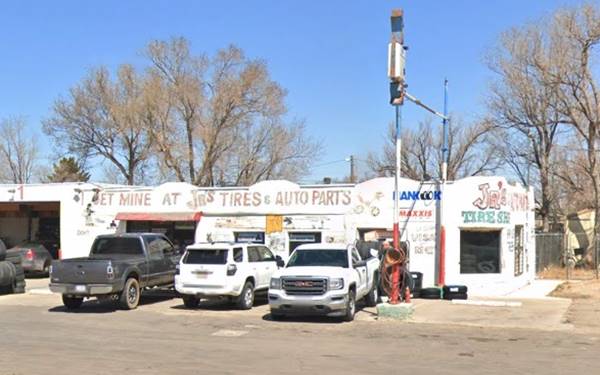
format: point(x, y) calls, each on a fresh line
point(118, 245)
point(206, 256)
point(319, 258)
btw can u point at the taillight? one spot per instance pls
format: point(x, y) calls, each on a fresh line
point(110, 272)
point(29, 254)
point(231, 269)
point(59, 256)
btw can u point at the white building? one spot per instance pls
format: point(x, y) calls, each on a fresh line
point(488, 223)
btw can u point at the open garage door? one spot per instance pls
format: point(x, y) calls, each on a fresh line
point(33, 222)
point(180, 228)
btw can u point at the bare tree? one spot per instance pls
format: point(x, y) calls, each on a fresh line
point(104, 118)
point(18, 152)
point(219, 120)
point(468, 152)
point(522, 109)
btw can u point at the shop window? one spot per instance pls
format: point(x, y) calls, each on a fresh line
point(251, 237)
point(479, 251)
point(519, 253)
point(299, 238)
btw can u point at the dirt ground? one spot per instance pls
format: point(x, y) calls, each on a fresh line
point(560, 273)
point(584, 311)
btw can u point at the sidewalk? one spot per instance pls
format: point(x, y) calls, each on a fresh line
point(529, 308)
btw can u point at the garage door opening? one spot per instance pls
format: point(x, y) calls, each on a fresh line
point(180, 228)
point(35, 223)
point(181, 233)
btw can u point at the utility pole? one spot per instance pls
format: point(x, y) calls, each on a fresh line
point(352, 171)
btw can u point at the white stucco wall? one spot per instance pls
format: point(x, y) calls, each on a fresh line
point(337, 211)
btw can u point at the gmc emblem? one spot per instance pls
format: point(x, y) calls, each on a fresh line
point(304, 283)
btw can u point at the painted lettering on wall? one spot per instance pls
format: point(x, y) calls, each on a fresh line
point(486, 217)
point(416, 213)
point(497, 199)
point(423, 240)
point(328, 197)
point(125, 199)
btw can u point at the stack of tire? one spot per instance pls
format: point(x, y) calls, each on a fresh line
point(12, 276)
point(455, 292)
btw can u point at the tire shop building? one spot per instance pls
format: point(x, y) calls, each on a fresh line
point(488, 223)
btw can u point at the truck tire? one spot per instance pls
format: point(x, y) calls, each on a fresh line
point(431, 293)
point(372, 299)
point(350, 307)
point(72, 303)
point(7, 273)
point(246, 298)
point(130, 296)
point(191, 302)
point(2, 253)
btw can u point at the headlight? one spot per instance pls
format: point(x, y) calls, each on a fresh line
point(336, 284)
point(275, 283)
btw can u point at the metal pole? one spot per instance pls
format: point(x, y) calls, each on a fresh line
point(445, 124)
point(352, 174)
point(395, 292)
point(442, 252)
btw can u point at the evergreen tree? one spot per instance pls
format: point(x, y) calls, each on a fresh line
point(68, 170)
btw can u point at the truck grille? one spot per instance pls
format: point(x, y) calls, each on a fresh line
point(304, 286)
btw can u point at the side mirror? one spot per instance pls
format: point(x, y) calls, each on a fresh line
point(279, 261)
point(374, 253)
point(361, 263)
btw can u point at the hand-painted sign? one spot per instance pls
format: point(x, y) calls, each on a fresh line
point(486, 217)
point(497, 199)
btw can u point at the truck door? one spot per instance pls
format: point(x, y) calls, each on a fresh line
point(361, 271)
point(161, 256)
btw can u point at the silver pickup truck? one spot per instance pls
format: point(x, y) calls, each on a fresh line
point(119, 267)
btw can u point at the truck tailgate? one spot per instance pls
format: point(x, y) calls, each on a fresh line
point(80, 271)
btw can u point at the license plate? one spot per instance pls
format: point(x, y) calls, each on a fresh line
point(201, 275)
point(80, 288)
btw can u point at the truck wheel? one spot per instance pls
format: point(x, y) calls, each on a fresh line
point(246, 298)
point(72, 303)
point(130, 296)
point(191, 302)
point(350, 307)
point(372, 298)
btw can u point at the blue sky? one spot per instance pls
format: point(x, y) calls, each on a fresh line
point(329, 55)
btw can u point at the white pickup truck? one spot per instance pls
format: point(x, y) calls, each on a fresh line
point(324, 279)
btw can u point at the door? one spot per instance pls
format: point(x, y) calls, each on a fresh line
point(361, 272)
point(269, 264)
point(256, 266)
point(156, 261)
point(163, 259)
point(519, 255)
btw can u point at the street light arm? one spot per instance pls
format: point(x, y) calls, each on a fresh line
point(421, 104)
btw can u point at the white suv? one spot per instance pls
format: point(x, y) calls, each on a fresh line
point(234, 270)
